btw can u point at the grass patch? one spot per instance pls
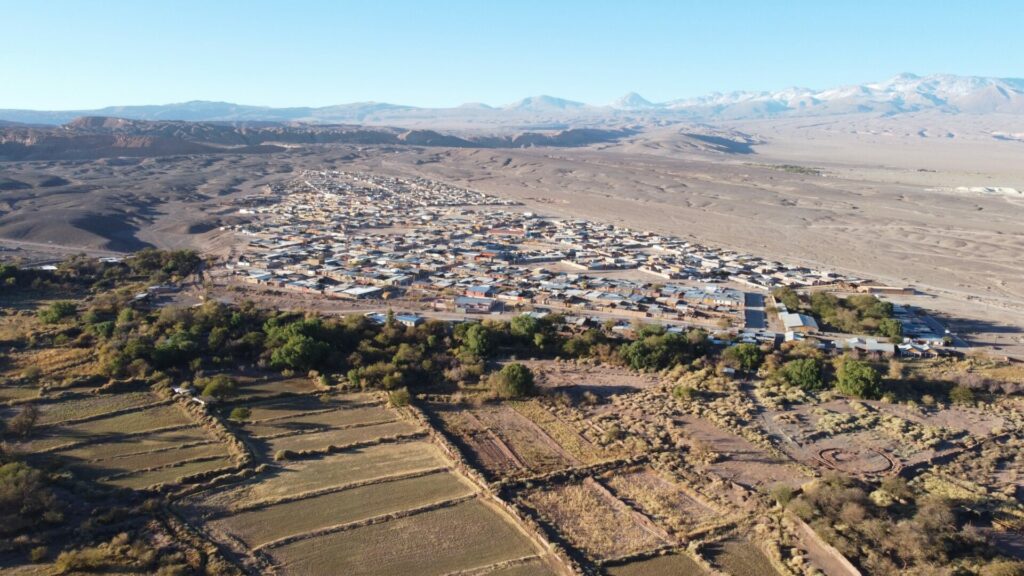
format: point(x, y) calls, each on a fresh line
point(168, 475)
point(679, 563)
point(320, 440)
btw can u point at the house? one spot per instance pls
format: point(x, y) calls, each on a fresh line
point(362, 292)
point(480, 291)
point(409, 320)
point(472, 305)
point(798, 322)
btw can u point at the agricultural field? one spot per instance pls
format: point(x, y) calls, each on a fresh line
point(662, 500)
point(519, 439)
point(467, 536)
point(739, 558)
point(133, 440)
point(362, 482)
point(675, 563)
point(594, 521)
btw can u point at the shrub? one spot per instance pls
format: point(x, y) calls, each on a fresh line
point(684, 392)
point(219, 386)
point(782, 494)
point(282, 455)
point(961, 394)
point(38, 554)
point(513, 381)
point(57, 311)
point(240, 413)
point(857, 378)
point(399, 397)
point(24, 422)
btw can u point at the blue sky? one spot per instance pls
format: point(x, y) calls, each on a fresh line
point(66, 54)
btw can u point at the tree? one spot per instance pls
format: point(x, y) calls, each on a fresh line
point(746, 357)
point(300, 352)
point(788, 297)
point(513, 381)
point(477, 340)
point(524, 326)
point(803, 373)
point(890, 328)
point(57, 311)
point(25, 500)
point(858, 378)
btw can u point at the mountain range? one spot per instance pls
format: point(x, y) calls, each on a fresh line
point(905, 93)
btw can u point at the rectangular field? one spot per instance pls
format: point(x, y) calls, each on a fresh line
point(88, 406)
point(136, 444)
point(168, 474)
point(308, 475)
point(461, 537)
point(502, 441)
point(659, 499)
point(591, 522)
point(298, 405)
point(677, 563)
point(264, 525)
point(157, 459)
point(342, 437)
point(162, 416)
point(320, 420)
point(255, 389)
point(740, 558)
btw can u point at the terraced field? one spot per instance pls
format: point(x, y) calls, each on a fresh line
point(469, 535)
point(386, 506)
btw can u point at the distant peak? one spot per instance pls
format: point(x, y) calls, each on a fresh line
point(633, 101)
point(544, 102)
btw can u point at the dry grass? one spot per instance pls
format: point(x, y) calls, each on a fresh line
point(254, 389)
point(321, 440)
point(461, 537)
point(260, 526)
point(740, 558)
point(660, 499)
point(334, 418)
point(169, 474)
point(150, 460)
point(89, 406)
point(334, 470)
point(564, 434)
point(591, 523)
point(136, 444)
point(679, 563)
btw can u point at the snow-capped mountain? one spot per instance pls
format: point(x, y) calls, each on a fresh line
point(905, 93)
point(902, 93)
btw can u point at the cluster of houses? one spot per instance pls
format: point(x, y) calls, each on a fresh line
point(369, 237)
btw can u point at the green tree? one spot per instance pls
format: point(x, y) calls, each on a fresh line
point(513, 381)
point(961, 394)
point(858, 378)
point(891, 328)
point(300, 352)
point(787, 297)
point(240, 413)
point(746, 357)
point(524, 326)
point(803, 373)
point(477, 340)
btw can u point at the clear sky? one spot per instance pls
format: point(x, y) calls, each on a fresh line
point(78, 54)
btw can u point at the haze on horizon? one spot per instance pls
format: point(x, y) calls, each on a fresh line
point(433, 54)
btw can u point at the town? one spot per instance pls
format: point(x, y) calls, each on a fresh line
point(422, 245)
